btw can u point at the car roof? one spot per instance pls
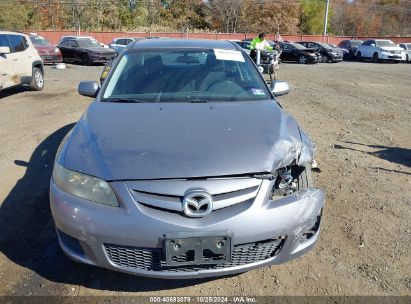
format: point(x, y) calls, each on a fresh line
point(184, 43)
point(12, 33)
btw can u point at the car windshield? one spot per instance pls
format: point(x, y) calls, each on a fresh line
point(298, 46)
point(385, 43)
point(39, 40)
point(324, 45)
point(86, 43)
point(408, 45)
point(185, 75)
point(356, 42)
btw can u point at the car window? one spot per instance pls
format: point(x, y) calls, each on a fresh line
point(17, 43)
point(87, 42)
point(355, 43)
point(184, 75)
point(65, 43)
point(127, 41)
point(367, 43)
point(121, 42)
point(297, 46)
point(37, 40)
point(385, 43)
point(72, 43)
point(4, 41)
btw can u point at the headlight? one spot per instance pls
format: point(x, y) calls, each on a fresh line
point(84, 186)
point(56, 50)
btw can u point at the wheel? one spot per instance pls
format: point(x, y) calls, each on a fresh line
point(359, 58)
point(375, 57)
point(302, 59)
point(85, 59)
point(320, 58)
point(37, 80)
point(407, 58)
point(325, 59)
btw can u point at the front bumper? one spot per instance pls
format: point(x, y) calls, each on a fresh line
point(389, 56)
point(129, 238)
point(101, 59)
point(336, 58)
point(52, 58)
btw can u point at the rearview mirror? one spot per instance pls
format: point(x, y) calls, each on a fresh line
point(4, 50)
point(88, 88)
point(279, 88)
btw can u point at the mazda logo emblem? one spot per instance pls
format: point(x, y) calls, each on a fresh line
point(197, 203)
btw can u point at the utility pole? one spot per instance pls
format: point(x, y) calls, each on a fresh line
point(326, 17)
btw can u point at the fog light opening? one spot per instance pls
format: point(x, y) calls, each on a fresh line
point(311, 231)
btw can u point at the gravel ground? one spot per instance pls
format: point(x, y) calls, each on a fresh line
point(357, 113)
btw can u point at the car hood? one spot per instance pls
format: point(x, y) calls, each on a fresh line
point(391, 48)
point(44, 47)
point(100, 50)
point(117, 141)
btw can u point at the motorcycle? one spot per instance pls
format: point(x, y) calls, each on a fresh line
point(267, 62)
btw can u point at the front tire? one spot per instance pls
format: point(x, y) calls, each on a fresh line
point(85, 59)
point(37, 80)
point(375, 57)
point(302, 59)
point(359, 58)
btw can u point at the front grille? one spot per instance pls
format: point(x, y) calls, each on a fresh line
point(153, 259)
point(225, 193)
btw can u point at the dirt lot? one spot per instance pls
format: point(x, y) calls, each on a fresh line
point(357, 113)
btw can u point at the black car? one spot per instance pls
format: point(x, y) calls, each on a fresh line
point(351, 47)
point(296, 52)
point(328, 54)
point(85, 50)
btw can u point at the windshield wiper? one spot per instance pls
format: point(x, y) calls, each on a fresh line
point(126, 100)
point(196, 100)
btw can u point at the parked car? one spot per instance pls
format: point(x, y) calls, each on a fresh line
point(344, 52)
point(298, 53)
point(119, 44)
point(244, 45)
point(47, 51)
point(407, 51)
point(85, 51)
point(351, 47)
point(64, 38)
point(328, 54)
point(161, 177)
point(379, 50)
point(20, 63)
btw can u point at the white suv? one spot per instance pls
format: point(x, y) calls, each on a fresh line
point(20, 62)
point(378, 50)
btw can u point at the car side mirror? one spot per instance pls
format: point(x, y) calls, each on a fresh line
point(88, 88)
point(4, 50)
point(279, 88)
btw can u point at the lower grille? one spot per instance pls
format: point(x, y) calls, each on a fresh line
point(153, 259)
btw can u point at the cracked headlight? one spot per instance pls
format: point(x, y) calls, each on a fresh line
point(84, 186)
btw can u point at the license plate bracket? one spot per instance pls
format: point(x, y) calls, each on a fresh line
point(210, 250)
